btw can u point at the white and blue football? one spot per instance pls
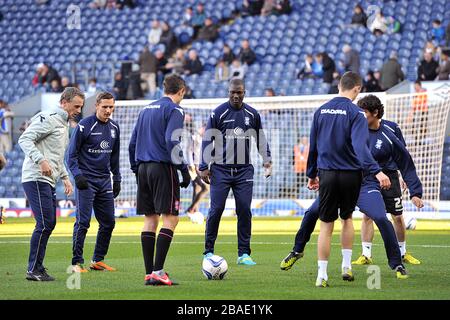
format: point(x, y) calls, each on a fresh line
point(214, 267)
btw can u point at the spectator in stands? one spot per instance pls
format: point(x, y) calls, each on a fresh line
point(228, 55)
point(237, 70)
point(6, 116)
point(3, 161)
point(35, 81)
point(176, 63)
point(418, 116)
point(168, 38)
point(92, 86)
point(282, 7)
point(148, 67)
point(438, 32)
point(102, 4)
point(193, 64)
point(48, 74)
point(198, 20)
point(209, 31)
point(334, 87)
point(351, 59)
point(359, 17)
point(246, 55)
point(308, 69)
point(269, 92)
point(268, 7)
point(187, 16)
point(189, 93)
point(391, 72)
point(155, 33)
point(222, 72)
point(65, 82)
point(431, 48)
point(55, 86)
point(393, 25)
point(379, 24)
point(120, 4)
point(328, 66)
point(161, 63)
point(427, 70)
point(119, 87)
point(371, 83)
point(444, 67)
point(252, 7)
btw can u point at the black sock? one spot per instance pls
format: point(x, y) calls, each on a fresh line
point(148, 250)
point(162, 247)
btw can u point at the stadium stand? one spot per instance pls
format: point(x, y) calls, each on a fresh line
point(31, 34)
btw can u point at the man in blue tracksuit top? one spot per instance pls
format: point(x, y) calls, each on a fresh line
point(93, 155)
point(392, 197)
point(338, 153)
point(390, 153)
point(226, 165)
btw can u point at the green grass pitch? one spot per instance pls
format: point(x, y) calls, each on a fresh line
point(271, 241)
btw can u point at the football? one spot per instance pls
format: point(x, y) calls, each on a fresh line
point(410, 222)
point(214, 267)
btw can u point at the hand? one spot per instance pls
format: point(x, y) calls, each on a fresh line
point(186, 178)
point(81, 182)
point(192, 172)
point(2, 161)
point(205, 175)
point(267, 169)
point(385, 183)
point(313, 184)
point(116, 188)
point(68, 188)
point(417, 202)
point(46, 169)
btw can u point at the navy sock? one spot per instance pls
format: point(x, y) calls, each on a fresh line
point(148, 250)
point(162, 247)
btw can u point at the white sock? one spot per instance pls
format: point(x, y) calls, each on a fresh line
point(323, 264)
point(346, 258)
point(402, 246)
point(159, 273)
point(367, 249)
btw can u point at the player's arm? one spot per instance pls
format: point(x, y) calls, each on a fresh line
point(206, 150)
point(263, 147)
point(132, 149)
point(311, 166)
point(76, 142)
point(172, 136)
point(39, 128)
point(360, 137)
point(406, 165)
point(115, 158)
point(399, 135)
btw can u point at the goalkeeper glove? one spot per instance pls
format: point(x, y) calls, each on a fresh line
point(81, 182)
point(116, 188)
point(186, 178)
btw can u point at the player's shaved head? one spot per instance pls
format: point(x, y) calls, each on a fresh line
point(236, 83)
point(236, 90)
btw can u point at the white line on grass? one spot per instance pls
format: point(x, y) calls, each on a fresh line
point(220, 242)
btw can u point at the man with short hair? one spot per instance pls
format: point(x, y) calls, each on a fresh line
point(93, 155)
point(155, 156)
point(44, 143)
point(227, 166)
point(338, 154)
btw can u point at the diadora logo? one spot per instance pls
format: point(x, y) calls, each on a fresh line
point(238, 131)
point(104, 145)
point(333, 111)
point(378, 144)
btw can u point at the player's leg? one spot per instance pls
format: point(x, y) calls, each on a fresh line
point(303, 235)
point(166, 188)
point(367, 233)
point(243, 192)
point(372, 204)
point(84, 199)
point(400, 231)
point(349, 190)
point(328, 213)
point(104, 213)
point(42, 199)
point(220, 187)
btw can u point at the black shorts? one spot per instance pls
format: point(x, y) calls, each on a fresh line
point(393, 196)
point(338, 192)
point(158, 189)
